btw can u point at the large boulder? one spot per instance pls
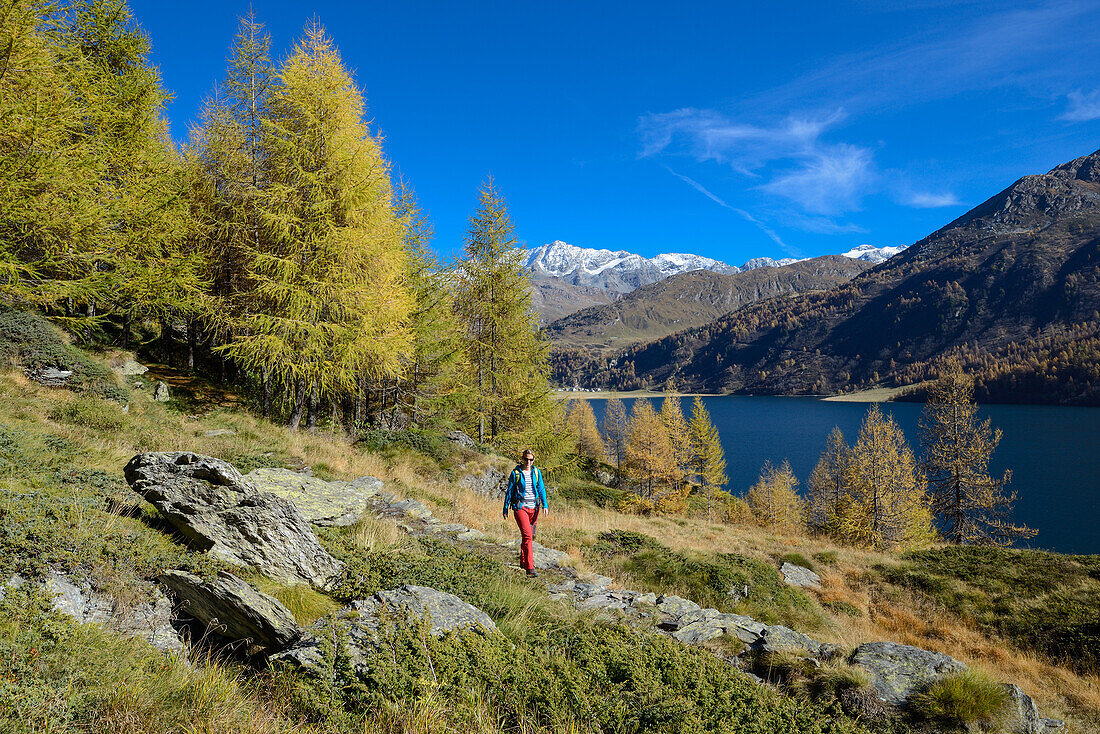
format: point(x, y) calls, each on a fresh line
point(233, 609)
point(218, 510)
point(489, 482)
point(322, 503)
point(356, 625)
point(898, 671)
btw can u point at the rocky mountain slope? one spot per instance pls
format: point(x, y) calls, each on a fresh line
point(693, 299)
point(1012, 288)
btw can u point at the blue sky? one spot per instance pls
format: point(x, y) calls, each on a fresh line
point(731, 130)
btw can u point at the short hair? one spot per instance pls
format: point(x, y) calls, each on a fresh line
point(523, 454)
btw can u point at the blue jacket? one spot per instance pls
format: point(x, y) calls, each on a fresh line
point(513, 496)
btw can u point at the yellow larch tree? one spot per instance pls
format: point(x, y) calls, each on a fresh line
point(583, 432)
point(775, 501)
point(884, 503)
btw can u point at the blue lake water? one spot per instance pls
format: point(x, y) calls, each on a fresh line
point(1053, 452)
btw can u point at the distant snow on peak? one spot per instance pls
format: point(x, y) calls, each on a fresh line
point(873, 254)
point(621, 271)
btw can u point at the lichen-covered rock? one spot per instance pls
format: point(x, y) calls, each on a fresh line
point(898, 671)
point(489, 482)
point(150, 620)
point(776, 637)
point(218, 510)
point(357, 625)
point(233, 609)
point(800, 576)
point(460, 439)
point(161, 393)
point(50, 376)
point(334, 504)
point(675, 606)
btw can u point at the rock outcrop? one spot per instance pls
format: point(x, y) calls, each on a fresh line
point(150, 620)
point(322, 503)
point(800, 576)
point(218, 510)
point(898, 671)
point(357, 625)
point(231, 608)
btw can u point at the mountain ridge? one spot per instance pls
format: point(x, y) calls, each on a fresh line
point(1011, 288)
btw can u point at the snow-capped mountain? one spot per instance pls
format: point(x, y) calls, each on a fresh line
point(767, 262)
point(618, 272)
point(569, 278)
point(873, 254)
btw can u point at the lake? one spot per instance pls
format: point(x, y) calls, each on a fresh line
point(1053, 452)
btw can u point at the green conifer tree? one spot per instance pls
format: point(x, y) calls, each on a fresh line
point(508, 359)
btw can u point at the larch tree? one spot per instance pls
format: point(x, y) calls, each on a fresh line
point(650, 456)
point(973, 506)
point(329, 271)
point(884, 505)
point(47, 175)
point(615, 422)
point(827, 482)
point(142, 265)
point(672, 415)
point(434, 386)
point(708, 459)
point(233, 149)
point(509, 361)
point(583, 432)
point(775, 501)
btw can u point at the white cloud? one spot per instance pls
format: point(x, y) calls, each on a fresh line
point(828, 180)
point(1083, 106)
point(929, 200)
point(821, 178)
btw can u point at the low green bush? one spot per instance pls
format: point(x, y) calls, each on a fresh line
point(963, 698)
point(826, 558)
point(707, 579)
point(1046, 602)
point(29, 340)
point(581, 677)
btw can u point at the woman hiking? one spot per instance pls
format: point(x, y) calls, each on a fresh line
point(526, 495)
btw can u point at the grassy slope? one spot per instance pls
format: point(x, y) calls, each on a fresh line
point(64, 503)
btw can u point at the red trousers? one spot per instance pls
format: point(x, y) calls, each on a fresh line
point(526, 519)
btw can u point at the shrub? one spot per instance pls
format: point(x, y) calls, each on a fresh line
point(827, 558)
point(30, 341)
point(962, 698)
point(707, 579)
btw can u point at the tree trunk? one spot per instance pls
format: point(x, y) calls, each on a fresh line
point(265, 406)
point(299, 406)
point(166, 341)
point(191, 337)
point(311, 419)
